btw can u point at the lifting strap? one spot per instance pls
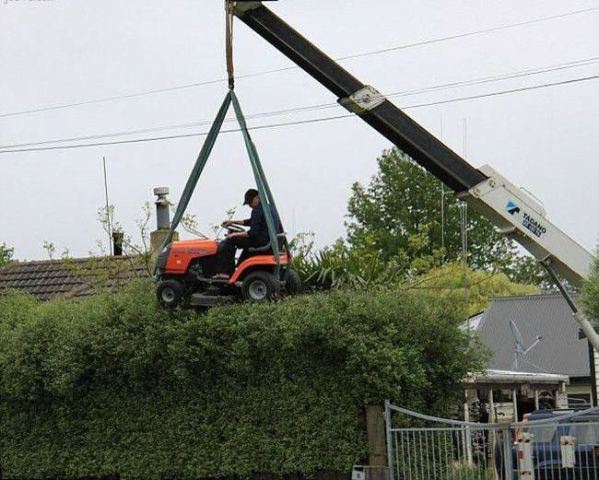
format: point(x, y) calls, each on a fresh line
point(266, 198)
point(229, 6)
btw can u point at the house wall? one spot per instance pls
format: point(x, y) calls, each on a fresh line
point(578, 391)
point(596, 376)
point(504, 412)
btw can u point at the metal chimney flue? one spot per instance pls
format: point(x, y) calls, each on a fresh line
point(163, 221)
point(163, 217)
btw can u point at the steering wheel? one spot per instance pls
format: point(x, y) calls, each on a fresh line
point(234, 229)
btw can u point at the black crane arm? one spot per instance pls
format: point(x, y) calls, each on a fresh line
point(373, 108)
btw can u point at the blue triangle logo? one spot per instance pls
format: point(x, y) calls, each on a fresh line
point(512, 208)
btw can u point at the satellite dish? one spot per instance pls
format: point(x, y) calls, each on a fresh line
point(518, 340)
point(519, 349)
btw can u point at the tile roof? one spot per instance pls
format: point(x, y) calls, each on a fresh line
point(70, 277)
point(548, 316)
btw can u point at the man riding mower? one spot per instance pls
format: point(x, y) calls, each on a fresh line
point(203, 273)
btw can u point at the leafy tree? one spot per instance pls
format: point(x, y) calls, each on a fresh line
point(590, 293)
point(398, 216)
point(340, 266)
point(466, 288)
point(6, 254)
point(526, 270)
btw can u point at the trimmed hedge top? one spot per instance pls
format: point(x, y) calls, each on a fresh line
point(116, 385)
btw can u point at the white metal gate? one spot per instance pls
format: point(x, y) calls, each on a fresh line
point(422, 447)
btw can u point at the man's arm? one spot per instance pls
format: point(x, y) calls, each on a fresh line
point(245, 222)
point(249, 222)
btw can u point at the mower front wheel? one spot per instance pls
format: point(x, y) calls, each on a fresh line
point(170, 293)
point(260, 286)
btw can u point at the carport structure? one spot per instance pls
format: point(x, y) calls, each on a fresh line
point(509, 395)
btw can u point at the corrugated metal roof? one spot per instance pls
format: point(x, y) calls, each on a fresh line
point(560, 350)
point(70, 277)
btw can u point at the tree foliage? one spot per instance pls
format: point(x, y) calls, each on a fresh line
point(115, 385)
point(341, 267)
point(398, 216)
point(6, 254)
point(467, 288)
point(590, 294)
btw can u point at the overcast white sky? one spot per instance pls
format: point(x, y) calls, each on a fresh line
point(65, 51)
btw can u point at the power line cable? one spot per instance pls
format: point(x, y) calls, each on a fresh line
point(294, 67)
point(505, 92)
point(473, 33)
point(479, 81)
point(184, 135)
point(167, 127)
point(302, 122)
point(495, 78)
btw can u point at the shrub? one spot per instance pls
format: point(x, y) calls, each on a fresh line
point(115, 385)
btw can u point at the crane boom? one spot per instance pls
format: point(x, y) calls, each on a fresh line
point(510, 208)
point(375, 109)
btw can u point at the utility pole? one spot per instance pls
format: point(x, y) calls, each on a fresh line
point(464, 223)
point(108, 219)
point(442, 206)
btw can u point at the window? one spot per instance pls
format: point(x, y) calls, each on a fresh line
point(579, 400)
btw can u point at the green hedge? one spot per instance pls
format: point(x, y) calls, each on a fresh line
point(116, 385)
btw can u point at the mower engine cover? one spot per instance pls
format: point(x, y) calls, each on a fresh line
point(177, 256)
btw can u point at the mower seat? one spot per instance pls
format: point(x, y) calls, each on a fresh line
point(267, 247)
point(262, 249)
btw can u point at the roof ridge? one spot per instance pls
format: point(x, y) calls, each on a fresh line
point(530, 296)
point(57, 261)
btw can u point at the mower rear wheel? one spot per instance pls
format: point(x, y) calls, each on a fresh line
point(293, 284)
point(170, 292)
point(260, 286)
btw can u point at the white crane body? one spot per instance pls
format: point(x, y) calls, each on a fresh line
point(519, 215)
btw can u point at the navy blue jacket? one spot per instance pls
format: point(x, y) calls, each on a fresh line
point(258, 228)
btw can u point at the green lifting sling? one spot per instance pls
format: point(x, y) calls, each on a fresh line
point(266, 199)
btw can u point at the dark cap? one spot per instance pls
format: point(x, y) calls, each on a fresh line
point(249, 196)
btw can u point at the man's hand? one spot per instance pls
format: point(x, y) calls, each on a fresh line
point(227, 223)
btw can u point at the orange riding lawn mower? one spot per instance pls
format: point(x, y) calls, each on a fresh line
point(185, 271)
